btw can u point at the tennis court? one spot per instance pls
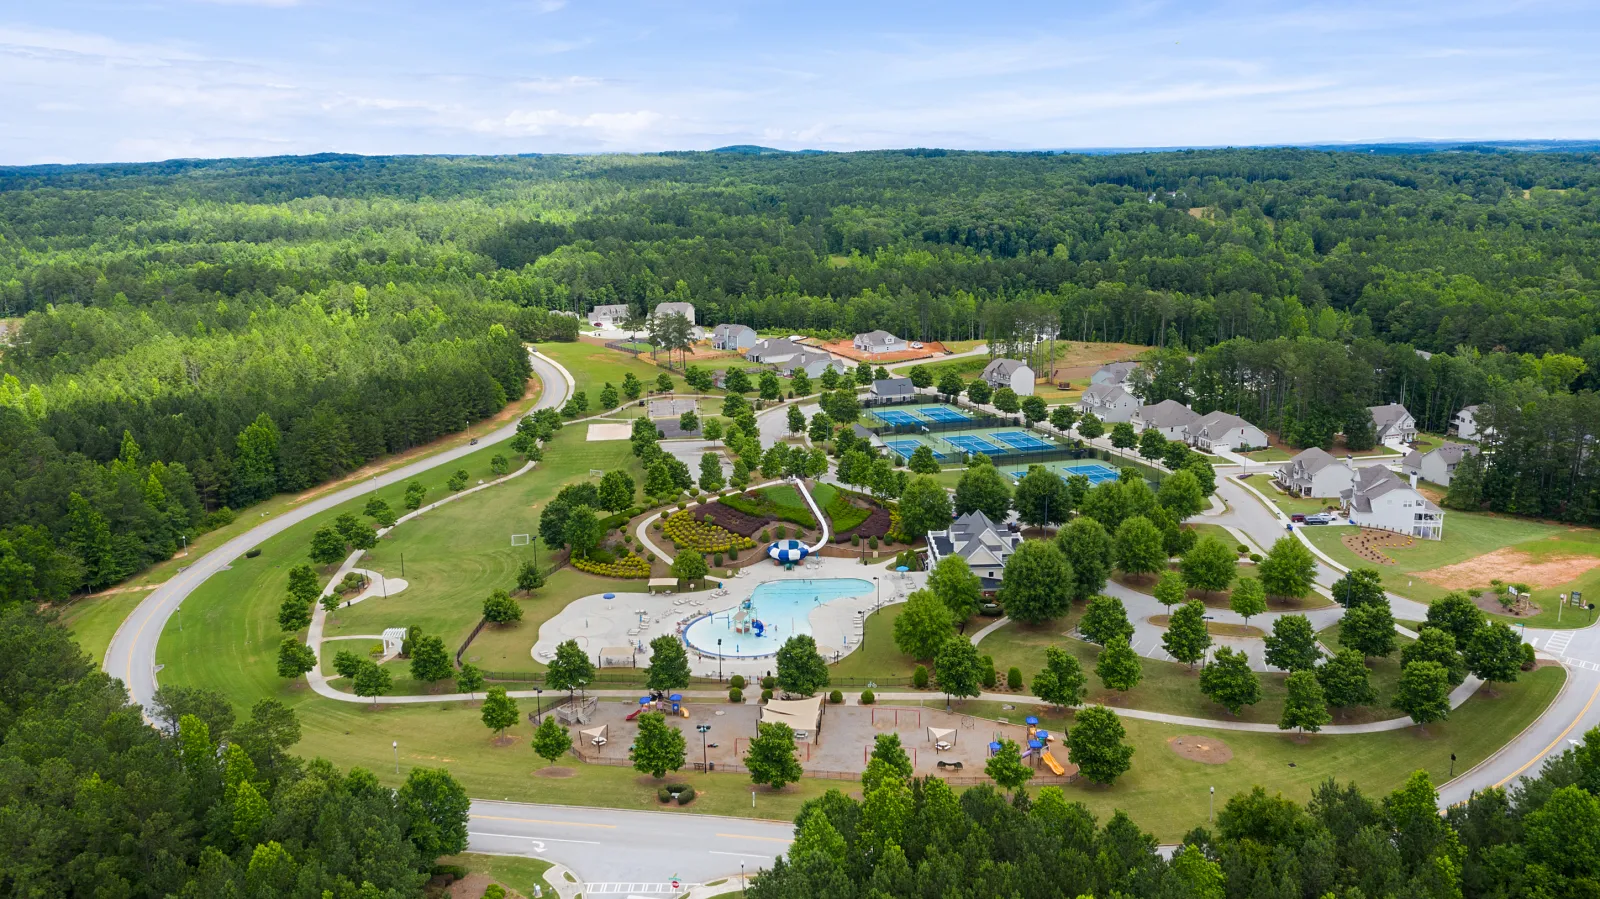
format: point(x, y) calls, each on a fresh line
point(943, 413)
point(896, 417)
point(966, 443)
point(1021, 440)
point(1096, 472)
point(905, 446)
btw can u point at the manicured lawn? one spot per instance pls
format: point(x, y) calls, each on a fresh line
point(1270, 454)
point(592, 365)
point(1215, 530)
point(1290, 505)
point(517, 872)
point(877, 657)
point(93, 620)
point(1468, 535)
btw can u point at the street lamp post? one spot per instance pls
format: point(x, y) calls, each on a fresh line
point(538, 703)
point(719, 660)
point(396, 745)
point(1211, 815)
point(702, 728)
point(878, 587)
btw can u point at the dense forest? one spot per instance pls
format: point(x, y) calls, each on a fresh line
point(198, 335)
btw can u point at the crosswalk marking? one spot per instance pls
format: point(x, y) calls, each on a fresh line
point(1558, 642)
point(639, 889)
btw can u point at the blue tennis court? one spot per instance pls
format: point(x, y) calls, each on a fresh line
point(1096, 472)
point(897, 417)
point(903, 448)
point(940, 413)
point(1021, 440)
point(969, 444)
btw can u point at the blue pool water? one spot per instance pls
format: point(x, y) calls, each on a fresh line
point(783, 608)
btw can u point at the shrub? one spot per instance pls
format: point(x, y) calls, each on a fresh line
point(836, 697)
point(1014, 678)
point(766, 695)
point(919, 678)
point(987, 673)
point(867, 698)
point(782, 532)
point(1242, 549)
point(736, 695)
point(664, 794)
point(494, 891)
point(872, 542)
point(682, 504)
point(736, 681)
point(626, 565)
point(767, 683)
point(855, 539)
point(733, 554)
point(766, 536)
point(252, 553)
point(1255, 558)
point(717, 560)
point(658, 525)
point(694, 492)
point(686, 797)
point(702, 536)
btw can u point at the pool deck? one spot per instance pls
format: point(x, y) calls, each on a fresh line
point(598, 623)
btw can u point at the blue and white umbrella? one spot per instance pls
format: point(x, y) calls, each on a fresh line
point(788, 550)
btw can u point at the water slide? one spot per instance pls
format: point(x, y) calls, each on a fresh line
point(1051, 763)
point(822, 520)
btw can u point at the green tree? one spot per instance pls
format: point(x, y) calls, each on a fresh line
point(801, 669)
point(771, 757)
point(956, 668)
point(770, 388)
point(1035, 583)
point(1201, 877)
point(1434, 645)
point(1095, 745)
point(1229, 682)
point(458, 480)
point(583, 531)
point(631, 386)
point(657, 748)
point(957, 587)
point(800, 385)
point(1062, 681)
point(1034, 409)
point(863, 374)
point(736, 380)
point(922, 461)
point(1087, 548)
point(1137, 548)
point(295, 658)
point(711, 472)
point(1042, 497)
point(499, 710)
point(979, 391)
point(529, 577)
point(1305, 708)
point(1289, 569)
point(430, 661)
point(1122, 435)
point(293, 615)
point(889, 760)
point(1062, 417)
point(570, 670)
point(414, 495)
point(256, 462)
point(1170, 589)
point(1456, 614)
point(435, 809)
point(1005, 399)
point(1152, 445)
point(1005, 766)
point(469, 679)
point(712, 429)
point(1118, 666)
point(370, 680)
point(551, 740)
point(500, 608)
point(327, 547)
point(924, 507)
point(1466, 484)
point(951, 386)
point(1424, 692)
point(1292, 646)
point(1345, 680)
point(983, 489)
point(608, 396)
point(1209, 565)
point(1494, 654)
point(1368, 630)
point(689, 567)
point(921, 377)
point(1248, 599)
point(1105, 620)
point(668, 670)
point(616, 491)
point(923, 625)
point(1359, 587)
point(379, 511)
point(1186, 638)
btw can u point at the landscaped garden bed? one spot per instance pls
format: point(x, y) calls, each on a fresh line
point(702, 536)
point(730, 519)
point(779, 503)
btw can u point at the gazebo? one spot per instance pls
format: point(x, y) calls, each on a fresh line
point(393, 639)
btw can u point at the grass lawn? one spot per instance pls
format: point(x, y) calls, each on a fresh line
point(1468, 535)
point(517, 872)
point(592, 365)
point(93, 620)
point(1290, 505)
point(877, 657)
point(1215, 530)
point(1269, 454)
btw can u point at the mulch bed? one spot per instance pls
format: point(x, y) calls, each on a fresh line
point(876, 525)
point(731, 519)
point(1370, 543)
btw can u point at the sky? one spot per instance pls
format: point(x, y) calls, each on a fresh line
point(136, 80)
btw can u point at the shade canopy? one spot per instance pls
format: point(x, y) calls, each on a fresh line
point(594, 733)
point(799, 714)
point(941, 734)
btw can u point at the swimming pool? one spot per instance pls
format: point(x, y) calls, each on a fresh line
point(782, 608)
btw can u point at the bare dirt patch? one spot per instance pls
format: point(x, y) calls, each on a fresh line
point(1370, 544)
point(1205, 750)
point(555, 772)
point(470, 887)
point(502, 742)
point(1215, 628)
point(1511, 565)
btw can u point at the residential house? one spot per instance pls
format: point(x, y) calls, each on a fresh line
point(684, 309)
point(1170, 417)
point(773, 351)
point(813, 363)
point(875, 342)
point(1009, 373)
point(1315, 473)
point(609, 316)
point(1393, 425)
point(1439, 464)
point(1225, 431)
point(983, 544)
point(564, 313)
point(1379, 498)
point(1108, 402)
point(1466, 425)
point(733, 337)
point(891, 390)
point(1114, 373)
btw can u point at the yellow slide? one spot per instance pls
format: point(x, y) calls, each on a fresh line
point(1051, 763)
point(684, 711)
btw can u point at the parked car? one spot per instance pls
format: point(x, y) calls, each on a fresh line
point(990, 609)
point(1320, 518)
point(1298, 518)
point(915, 345)
point(472, 442)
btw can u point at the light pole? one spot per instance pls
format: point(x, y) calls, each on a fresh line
point(1210, 815)
point(878, 587)
point(719, 660)
point(396, 745)
point(702, 728)
point(538, 700)
point(742, 884)
point(178, 612)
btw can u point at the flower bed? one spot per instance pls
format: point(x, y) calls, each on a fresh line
point(730, 519)
point(702, 536)
point(876, 524)
point(626, 565)
point(760, 504)
point(845, 513)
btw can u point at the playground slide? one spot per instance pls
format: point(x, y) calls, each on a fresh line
point(1051, 763)
point(634, 714)
point(684, 711)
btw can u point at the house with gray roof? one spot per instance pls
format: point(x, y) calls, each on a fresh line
point(813, 363)
point(1393, 425)
point(892, 389)
point(608, 315)
point(1170, 417)
point(983, 544)
point(684, 309)
point(1225, 431)
point(1379, 498)
point(1009, 373)
point(773, 351)
point(737, 338)
point(1315, 473)
point(1113, 373)
point(878, 342)
point(1465, 425)
point(1439, 464)
point(1108, 402)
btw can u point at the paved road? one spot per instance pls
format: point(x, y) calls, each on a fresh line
point(132, 654)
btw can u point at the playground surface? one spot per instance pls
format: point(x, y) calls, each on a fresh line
point(1096, 472)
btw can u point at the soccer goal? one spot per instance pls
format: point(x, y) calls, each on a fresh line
point(596, 473)
point(519, 539)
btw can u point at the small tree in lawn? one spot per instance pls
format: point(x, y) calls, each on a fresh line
point(616, 491)
point(1209, 565)
point(371, 680)
point(295, 658)
point(669, 665)
point(293, 615)
point(1034, 409)
point(500, 608)
point(1494, 654)
point(1434, 645)
point(1229, 682)
point(923, 625)
point(551, 740)
point(1062, 417)
point(327, 546)
point(1037, 583)
point(414, 495)
point(1186, 638)
point(1122, 435)
point(379, 511)
point(1061, 683)
point(957, 587)
point(956, 668)
point(1138, 548)
point(689, 567)
point(1118, 666)
point(796, 420)
point(1105, 620)
point(658, 748)
point(529, 577)
point(469, 680)
point(1171, 590)
point(1005, 766)
point(1095, 745)
point(1456, 614)
point(771, 758)
point(1305, 709)
point(979, 391)
point(1345, 680)
point(1369, 630)
point(430, 661)
point(801, 669)
point(570, 670)
point(1359, 587)
point(1424, 692)
point(1292, 646)
point(347, 663)
point(664, 383)
point(1289, 569)
point(1151, 444)
point(1090, 426)
point(1248, 599)
point(499, 711)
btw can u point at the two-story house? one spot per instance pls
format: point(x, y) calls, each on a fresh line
point(684, 309)
point(1225, 431)
point(1170, 417)
point(874, 342)
point(1466, 426)
point(1393, 425)
point(609, 315)
point(1315, 473)
point(983, 544)
point(1113, 373)
point(734, 338)
point(1108, 402)
point(1009, 373)
point(1438, 465)
point(773, 351)
point(1379, 498)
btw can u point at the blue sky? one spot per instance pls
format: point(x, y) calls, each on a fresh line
point(114, 80)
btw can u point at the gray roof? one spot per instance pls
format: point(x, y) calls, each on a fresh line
point(1386, 416)
point(1219, 422)
point(775, 346)
point(1001, 368)
point(723, 332)
point(1167, 414)
point(1104, 394)
point(1118, 371)
point(893, 387)
point(1374, 481)
point(876, 337)
point(973, 533)
point(1312, 460)
point(1452, 453)
point(674, 308)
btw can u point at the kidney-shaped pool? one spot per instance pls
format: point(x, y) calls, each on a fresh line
point(776, 611)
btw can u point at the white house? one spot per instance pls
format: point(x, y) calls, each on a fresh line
point(1009, 373)
point(892, 389)
point(733, 337)
point(812, 363)
point(1315, 473)
point(773, 351)
point(608, 315)
point(985, 545)
point(1393, 425)
point(1466, 425)
point(878, 342)
point(1114, 373)
point(1224, 430)
point(684, 309)
point(1439, 464)
point(1381, 499)
point(1170, 417)
point(1107, 402)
